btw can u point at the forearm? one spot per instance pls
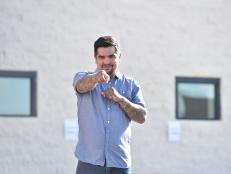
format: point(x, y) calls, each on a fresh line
point(134, 111)
point(86, 84)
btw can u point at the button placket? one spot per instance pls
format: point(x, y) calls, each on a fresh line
point(107, 124)
point(109, 104)
point(108, 112)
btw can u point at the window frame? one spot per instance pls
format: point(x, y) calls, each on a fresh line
point(32, 75)
point(201, 80)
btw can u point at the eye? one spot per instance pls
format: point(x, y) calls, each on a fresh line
point(101, 57)
point(112, 56)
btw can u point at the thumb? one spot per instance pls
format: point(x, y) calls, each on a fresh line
point(102, 93)
point(107, 78)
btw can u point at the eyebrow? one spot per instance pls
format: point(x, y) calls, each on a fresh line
point(111, 55)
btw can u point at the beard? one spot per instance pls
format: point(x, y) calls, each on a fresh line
point(109, 69)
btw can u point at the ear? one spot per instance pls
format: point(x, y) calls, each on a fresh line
point(95, 58)
point(120, 55)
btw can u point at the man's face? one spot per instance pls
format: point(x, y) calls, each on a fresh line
point(107, 59)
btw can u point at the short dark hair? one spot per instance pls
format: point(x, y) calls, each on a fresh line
point(106, 41)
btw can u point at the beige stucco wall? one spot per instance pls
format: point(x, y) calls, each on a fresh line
point(160, 40)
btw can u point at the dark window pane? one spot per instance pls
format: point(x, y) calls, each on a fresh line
point(197, 98)
point(196, 101)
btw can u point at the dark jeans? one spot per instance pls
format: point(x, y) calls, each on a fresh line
point(86, 168)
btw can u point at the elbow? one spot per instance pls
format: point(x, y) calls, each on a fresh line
point(143, 117)
point(142, 120)
point(79, 89)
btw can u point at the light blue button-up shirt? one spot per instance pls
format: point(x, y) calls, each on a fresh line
point(104, 128)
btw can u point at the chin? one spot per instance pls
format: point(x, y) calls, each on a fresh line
point(109, 72)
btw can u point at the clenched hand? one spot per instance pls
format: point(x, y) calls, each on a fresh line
point(102, 77)
point(112, 94)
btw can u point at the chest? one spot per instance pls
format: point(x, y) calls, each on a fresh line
point(124, 89)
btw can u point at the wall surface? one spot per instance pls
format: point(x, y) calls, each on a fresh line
point(160, 40)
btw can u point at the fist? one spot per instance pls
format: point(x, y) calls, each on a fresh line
point(111, 94)
point(102, 77)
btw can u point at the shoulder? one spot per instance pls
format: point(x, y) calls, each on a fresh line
point(130, 80)
point(127, 78)
point(82, 74)
point(79, 75)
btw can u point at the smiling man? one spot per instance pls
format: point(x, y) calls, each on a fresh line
point(107, 103)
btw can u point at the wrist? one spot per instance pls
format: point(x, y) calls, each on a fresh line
point(94, 78)
point(120, 100)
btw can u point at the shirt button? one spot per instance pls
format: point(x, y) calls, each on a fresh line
point(108, 108)
point(108, 122)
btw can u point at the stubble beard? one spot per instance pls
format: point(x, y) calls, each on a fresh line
point(110, 71)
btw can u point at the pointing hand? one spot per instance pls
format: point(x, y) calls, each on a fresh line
point(102, 77)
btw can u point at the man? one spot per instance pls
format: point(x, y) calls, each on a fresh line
point(107, 102)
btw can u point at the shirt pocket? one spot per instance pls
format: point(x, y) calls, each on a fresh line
point(127, 93)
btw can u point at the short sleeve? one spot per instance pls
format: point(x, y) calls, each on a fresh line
point(77, 77)
point(137, 96)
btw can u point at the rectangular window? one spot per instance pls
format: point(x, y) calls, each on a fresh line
point(197, 98)
point(18, 93)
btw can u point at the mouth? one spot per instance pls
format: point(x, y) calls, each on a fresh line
point(107, 67)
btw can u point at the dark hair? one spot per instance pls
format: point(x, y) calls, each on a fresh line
point(106, 41)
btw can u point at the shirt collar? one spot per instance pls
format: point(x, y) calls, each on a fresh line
point(118, 75)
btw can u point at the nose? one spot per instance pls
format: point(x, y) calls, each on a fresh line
point(107, 60)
